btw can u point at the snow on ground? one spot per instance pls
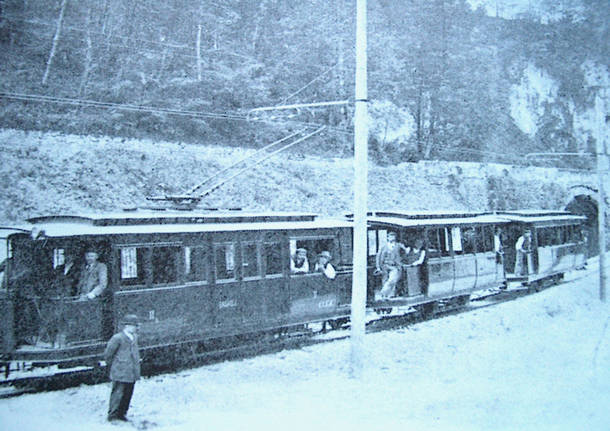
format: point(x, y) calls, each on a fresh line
point(541, 362)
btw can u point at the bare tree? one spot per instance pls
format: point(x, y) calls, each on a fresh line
point(55, 41)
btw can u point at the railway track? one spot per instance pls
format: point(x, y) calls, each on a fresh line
point(57, 379)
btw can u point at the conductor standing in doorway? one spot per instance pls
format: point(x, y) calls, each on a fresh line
point(123, 359)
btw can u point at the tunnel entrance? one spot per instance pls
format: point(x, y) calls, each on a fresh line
point(586, 206)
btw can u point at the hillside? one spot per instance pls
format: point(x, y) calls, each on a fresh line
point(475, 80)
point(50, 172)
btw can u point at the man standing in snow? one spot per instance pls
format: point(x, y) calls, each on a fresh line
point(123, 360)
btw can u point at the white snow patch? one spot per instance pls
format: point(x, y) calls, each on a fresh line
point(540, 10)
point(539, 362)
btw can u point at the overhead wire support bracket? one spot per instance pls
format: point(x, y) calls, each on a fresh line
point(297, 106)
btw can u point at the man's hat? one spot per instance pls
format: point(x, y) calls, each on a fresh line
point(301, 250)
point(130, 319)
point(325, 254)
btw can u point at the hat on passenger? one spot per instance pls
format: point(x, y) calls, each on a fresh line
point(325, 254)
point(130, 319)
point(301, 251)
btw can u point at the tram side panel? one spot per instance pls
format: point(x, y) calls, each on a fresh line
point(7, 339)
point(441, 265)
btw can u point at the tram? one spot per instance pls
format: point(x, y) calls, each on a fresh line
point(196, 278)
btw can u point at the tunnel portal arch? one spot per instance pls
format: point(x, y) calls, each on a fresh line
point(584, 202)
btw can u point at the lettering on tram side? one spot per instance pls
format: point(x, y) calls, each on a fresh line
point(227, 304)
point(328, 303)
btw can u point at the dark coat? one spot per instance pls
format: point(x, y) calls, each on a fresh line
point(123, 358)
point(66, 284)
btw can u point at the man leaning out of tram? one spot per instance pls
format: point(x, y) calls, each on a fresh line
point(94, 276)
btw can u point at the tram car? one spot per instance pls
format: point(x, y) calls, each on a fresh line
point(456, 253)
point(189, 276)
point(459, 253)
point(543, 245)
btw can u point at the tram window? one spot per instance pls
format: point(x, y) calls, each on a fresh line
point(58, 257)
point(372, 242)
point(563, 234)
point(313, 246)
point(225, 261)
point(195, 264)
point(132, 266)
point(433, 244)
point(541, 237)
point(165, 264)
point(484, 239)
point(249, 260)
point(469, 238)
point(273, 258)
point(456, 240)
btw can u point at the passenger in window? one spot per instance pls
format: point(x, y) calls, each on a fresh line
point(388, 263)
point(323, 265)
point(299, 263)
point(523, 249)
point(94, 276)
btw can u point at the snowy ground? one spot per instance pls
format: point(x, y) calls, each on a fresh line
point(538, 363)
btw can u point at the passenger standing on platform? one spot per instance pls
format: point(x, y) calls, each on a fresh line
point(66, 279)
point(388, 262)
point(123, 360)
point(417, 254)
point(94, 277)
point(324, 265)
point(498, 247)
point(523, 248)
point(299, 263)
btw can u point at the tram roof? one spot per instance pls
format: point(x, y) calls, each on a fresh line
point(541, 216)
point(151, 217)
point(435, 220)
point(150, 222)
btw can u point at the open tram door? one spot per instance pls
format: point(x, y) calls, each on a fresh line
point(43, 282)
point(522, 261)
point(411, 265)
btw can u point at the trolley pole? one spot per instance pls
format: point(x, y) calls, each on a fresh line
point(602, 168)
point(360, 197)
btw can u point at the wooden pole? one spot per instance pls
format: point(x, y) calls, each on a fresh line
point(602, 167)
point(360, 196)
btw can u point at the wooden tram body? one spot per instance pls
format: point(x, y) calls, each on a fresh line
point(557, 244)
point(188, 276)
point(195, 278)
point(459, 259)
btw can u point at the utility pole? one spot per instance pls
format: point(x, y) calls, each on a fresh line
point(602, 168)
point(360, 196)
